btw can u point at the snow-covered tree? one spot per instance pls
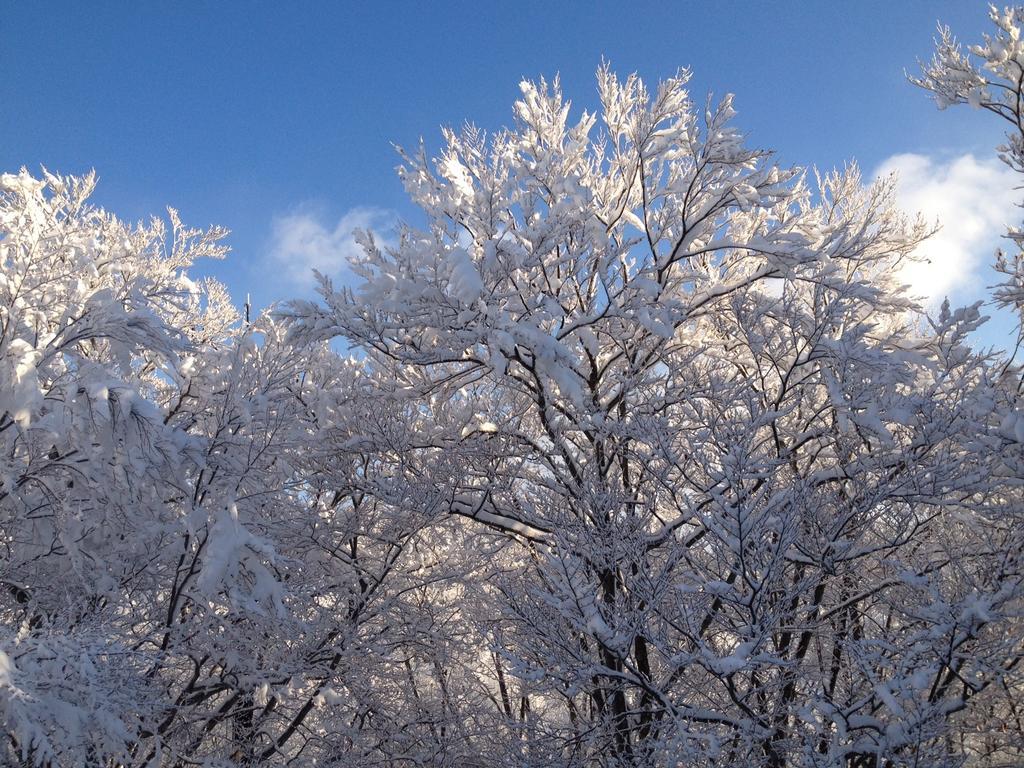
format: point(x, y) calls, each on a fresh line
point(990, 76)
point(751, 498)
point(97, 320)
point(187, 578)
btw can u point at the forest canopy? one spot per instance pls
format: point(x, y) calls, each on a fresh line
point(640, 454)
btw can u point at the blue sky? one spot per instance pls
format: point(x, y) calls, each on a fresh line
point(276, 120)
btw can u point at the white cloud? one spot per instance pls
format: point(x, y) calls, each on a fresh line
point(972, 200)
point(301, 242)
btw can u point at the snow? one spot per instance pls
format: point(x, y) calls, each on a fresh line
point(464, 283)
